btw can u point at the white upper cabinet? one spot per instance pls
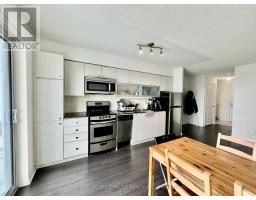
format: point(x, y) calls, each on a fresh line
point(149, 79)
point(49, 65)
point(73, 78)
point(92, 70)
point(170, 84)
point(49, 100)
point(127, 76)
point(108, 72)
point(166, 83)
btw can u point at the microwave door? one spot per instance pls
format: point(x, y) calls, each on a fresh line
point(94, 87)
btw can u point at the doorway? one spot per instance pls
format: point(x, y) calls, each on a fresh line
point(224, 111)
point(7, 174)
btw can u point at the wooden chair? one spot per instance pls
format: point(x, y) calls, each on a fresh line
point(191, 177)
point(237, 141)
point(239, 190)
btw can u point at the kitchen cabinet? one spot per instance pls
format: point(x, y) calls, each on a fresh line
point(108, 72)
point(127, 76)
point(92, 70)
point(73, 78)
point(49, 100)
point(49, 65)
point(127, 89)
point(147, 126)
point(49, 142)
point(166, 83)
point(151, 91)
point(160, 120)
point(149, 79)
point(76, 137)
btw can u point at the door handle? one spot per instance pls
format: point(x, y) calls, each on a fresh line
point(103, 143)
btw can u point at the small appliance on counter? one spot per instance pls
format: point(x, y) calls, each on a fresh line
point(154, 104)
point(125, 105)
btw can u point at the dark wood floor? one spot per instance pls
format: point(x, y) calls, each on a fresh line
point(123, 172)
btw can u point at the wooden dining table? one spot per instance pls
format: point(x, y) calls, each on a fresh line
point(225, 168)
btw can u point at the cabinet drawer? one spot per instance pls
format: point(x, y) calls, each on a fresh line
point(75, 137)
point(75, 129)
point(75, 148)
point(76, 121)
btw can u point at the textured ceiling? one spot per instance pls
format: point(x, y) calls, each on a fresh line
point(202, 38)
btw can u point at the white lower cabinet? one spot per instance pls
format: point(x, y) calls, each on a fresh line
point(147, 127)
point(75, 137)
point(49, 140)
point(75, 148)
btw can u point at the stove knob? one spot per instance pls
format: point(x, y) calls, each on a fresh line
point(101, 117)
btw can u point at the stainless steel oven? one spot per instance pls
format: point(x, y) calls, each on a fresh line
point(96, 85)
point(103, 126)
point(101, 130)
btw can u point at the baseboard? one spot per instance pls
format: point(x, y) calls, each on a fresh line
point(141, 141)
point(28, 181)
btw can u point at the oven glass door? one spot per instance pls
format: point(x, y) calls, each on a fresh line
point(102, 132)
point(93, 86)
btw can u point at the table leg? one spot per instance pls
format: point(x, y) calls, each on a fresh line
point(151, 175)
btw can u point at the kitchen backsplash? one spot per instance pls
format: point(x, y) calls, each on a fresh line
point(78, 104)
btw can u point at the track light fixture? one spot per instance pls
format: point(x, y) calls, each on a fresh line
point(151, 47)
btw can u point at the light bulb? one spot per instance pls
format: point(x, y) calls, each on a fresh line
point(140, 50)
point(161, 52)
point(151, 52)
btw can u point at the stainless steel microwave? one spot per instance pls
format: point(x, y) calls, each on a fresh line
point(96, 85)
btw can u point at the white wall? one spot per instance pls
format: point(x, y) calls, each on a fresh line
point(96, 57)
point(23, 102)
point(244, 111)
point(197, 85)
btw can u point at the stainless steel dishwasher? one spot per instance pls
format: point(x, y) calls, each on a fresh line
point(124, 127)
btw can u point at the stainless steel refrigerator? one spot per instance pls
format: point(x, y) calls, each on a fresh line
point(175, 113)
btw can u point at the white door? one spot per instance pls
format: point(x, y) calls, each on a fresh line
point(210, 104)
point(49, 65)
point(49, 142)
point(92, 70)
point(49, 100)
point(74, 78)
point(231, 97)
point(108, 72)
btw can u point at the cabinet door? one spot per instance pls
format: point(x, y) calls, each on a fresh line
point(92, 70)
point(126, 76)
point(73, 78)
point(49, 65)
point(143, 128)
point(169, 85)
point(160, 118)
point(49, 100)
point(149, 79)
point(108, 72)
point(49, 142)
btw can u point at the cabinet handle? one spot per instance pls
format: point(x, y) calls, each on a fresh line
point(60, 118)
point(60, 123)
point(77, 148)
point(77, 122)
point(77, 137)
point(77, 130)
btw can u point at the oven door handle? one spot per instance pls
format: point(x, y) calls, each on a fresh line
point(105, 122)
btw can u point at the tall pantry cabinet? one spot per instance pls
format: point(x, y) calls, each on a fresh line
point(48, 99)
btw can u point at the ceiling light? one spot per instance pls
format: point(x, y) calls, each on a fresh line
point(151, 52)
point(151, 46)
point(140, 50)
point(161, 52)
